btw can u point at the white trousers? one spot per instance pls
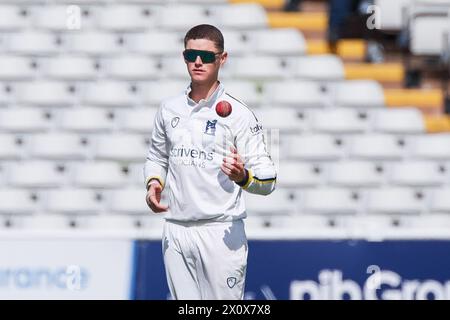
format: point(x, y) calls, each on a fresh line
point(206, 261)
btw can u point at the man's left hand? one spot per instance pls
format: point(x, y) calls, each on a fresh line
point(233, 166)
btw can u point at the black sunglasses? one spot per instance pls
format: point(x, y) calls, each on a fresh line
point(191, 55)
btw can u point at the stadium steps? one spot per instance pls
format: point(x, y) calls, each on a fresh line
point(383, 72)
point(304, 21)
point(354, 49)
point(437, 123)
point(425, 99)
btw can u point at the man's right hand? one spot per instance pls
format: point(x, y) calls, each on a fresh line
point(153, 197)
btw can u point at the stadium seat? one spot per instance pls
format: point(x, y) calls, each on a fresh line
point(182, 17)
point(109, 93)
point(392, 13)
point(399, 121)
point(312, 147)
point(129, 201)
point(10, 148)
point(121, 147)
point(417, 174)
point(59, 18)
point(339, 121)
point(45, 223)
point(32, 43)
point(440, 201)
point(36, 174)
point(359, 94)
point(285, 120)
point(299, 94)
point(44, 93)
point(256, 68)
point(136, 174)
point(355, 174)
point(91, 42)
point(11, 18)
point(126, 18)
point(156, 91)
point(15, 68)
point(395, 200)
point(86, 119)
point(112, 222)
point(246, 91)
point(376, 147)
point(287, 42)
point(63, 146)
point(16, 201)
point(329, 201)
point(132, 67)
point(98, 174)
point(280, 202)
point(70, 67)
point(237, 43)
point(139, 120)
point(325, 68)
point(23, 120)
point(245, 16)
point(175, 68)
point(156, 43)
point(292, 174)
point(74, 201)
point(431, 146)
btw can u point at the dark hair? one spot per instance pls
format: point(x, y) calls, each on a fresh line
point(206, 31)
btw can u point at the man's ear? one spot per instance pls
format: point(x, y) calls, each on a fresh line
point(223, 58)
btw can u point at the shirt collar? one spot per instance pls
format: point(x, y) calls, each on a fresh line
point(205, 102)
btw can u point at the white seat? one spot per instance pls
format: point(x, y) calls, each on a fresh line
point(15, 68)
point(359, 94)
point(16, 201)
point(5, 95)
point(135, 67)
point(350, 173)
point(182, 17)
point(23, 120)
point(431, 146)
point(394, 200)
point(417, 174)
point(139, 120)
point(237, 43)
point(376, 147)
point(286, 41)
point(428, 17)
point(126, 18)
point(280, 119)
point(32, 43)
point(35, 174)
point(73, 201)
point(70, 68)
point(129, 201)
point(329, 201)
point(155, 92)
point(156, 43)
point(46, 222)
point(338, 121)
point(256, 68)
point(279, 202)
point(175, 68)
point(85, 119)
point(44, 93)
point(314, 147)
point(298, 174)
point(400, 121)
point(11, 18)
point(246, 91)
point(57, 146)
point(440, 201)
point(59, 18)
point(301, 94)
point(92, 42)
point(320, 68)
point(244, 16)
point(391, 13)
point(121, 147)
point(99, 174)
point(9, 147)
point(109, 94)
point(112, 222)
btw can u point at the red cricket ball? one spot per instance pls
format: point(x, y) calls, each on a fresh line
point(223, 108)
